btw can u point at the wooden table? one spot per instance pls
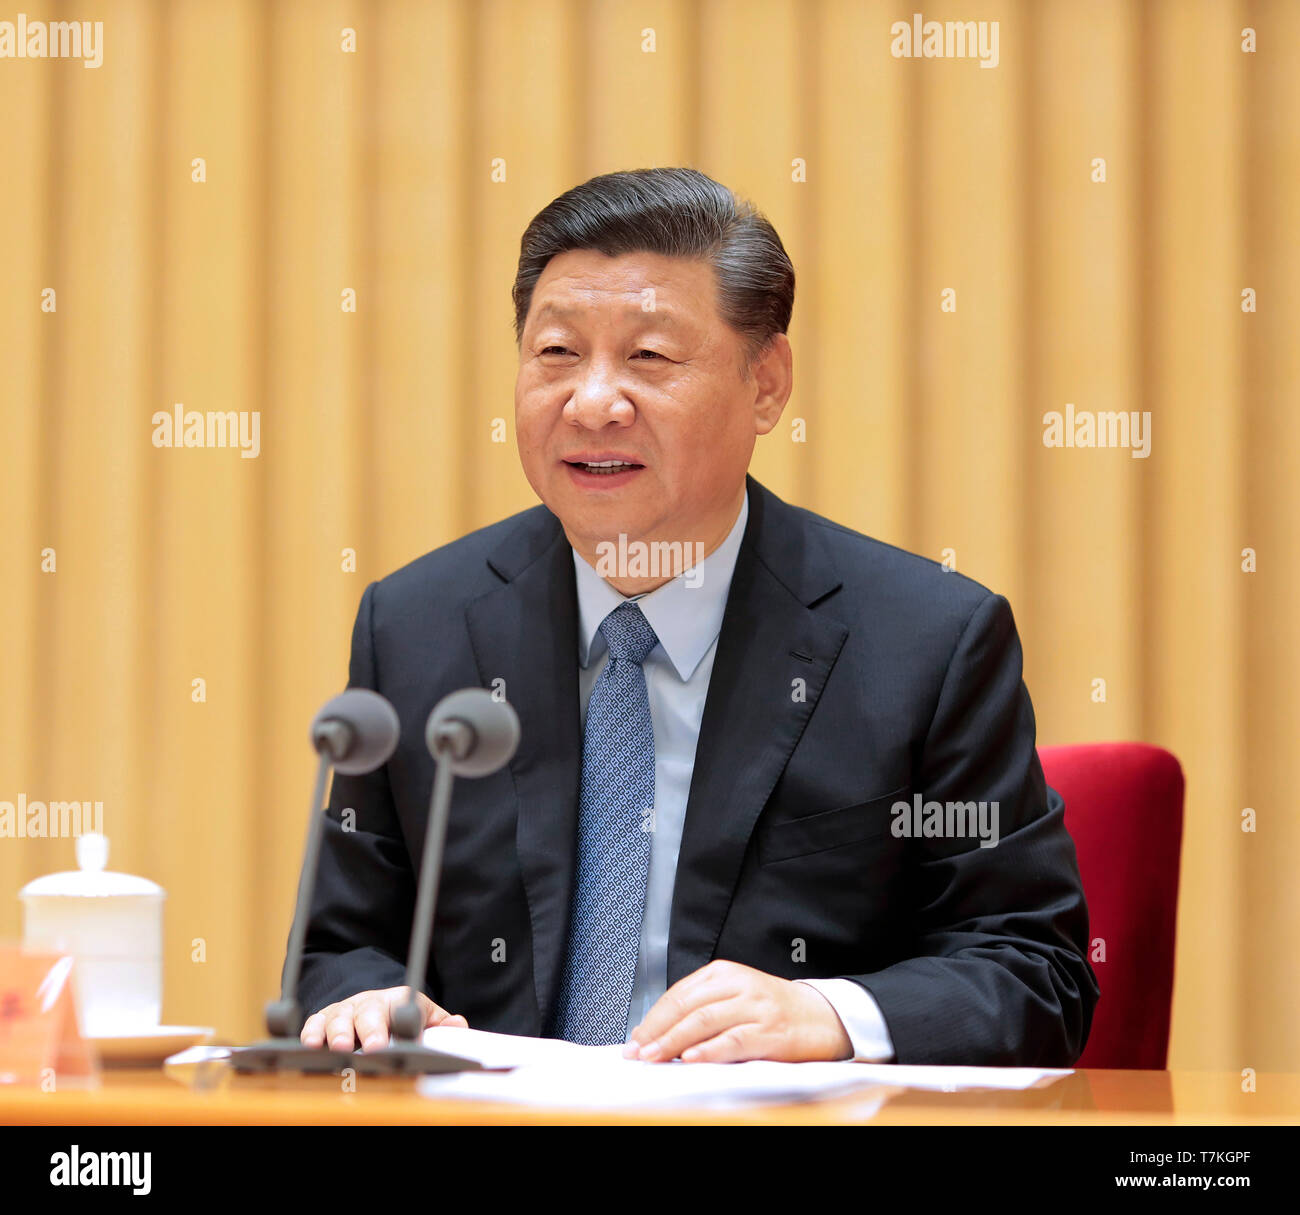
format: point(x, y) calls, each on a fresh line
point(213, 1095)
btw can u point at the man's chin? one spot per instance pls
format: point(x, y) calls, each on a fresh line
point(596, 521)
point(595, 534)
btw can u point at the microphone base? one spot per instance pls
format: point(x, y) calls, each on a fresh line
point(412, 1059)
point(289, 1055)
point(395, 1059)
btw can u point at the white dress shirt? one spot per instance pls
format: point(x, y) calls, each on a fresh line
point(686, 615)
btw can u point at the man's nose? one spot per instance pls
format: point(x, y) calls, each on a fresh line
point(599, 398)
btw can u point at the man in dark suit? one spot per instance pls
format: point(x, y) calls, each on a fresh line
point(777, 794)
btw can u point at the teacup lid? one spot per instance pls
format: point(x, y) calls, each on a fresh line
point(90, 879)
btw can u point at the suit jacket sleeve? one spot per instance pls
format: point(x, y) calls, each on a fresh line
point(999, 974)
point(359, 930)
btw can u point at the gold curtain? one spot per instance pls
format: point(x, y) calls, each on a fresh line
point(406, 171)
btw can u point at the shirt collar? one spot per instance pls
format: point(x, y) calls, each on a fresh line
point(685, 613)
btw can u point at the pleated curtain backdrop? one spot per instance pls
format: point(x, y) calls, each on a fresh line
point(963, 270)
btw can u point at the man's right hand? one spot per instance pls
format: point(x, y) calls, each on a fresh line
point(363, 1019)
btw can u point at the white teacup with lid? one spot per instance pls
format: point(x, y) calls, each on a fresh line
point(111, 923)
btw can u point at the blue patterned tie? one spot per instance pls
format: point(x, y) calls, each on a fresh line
point(615, 808)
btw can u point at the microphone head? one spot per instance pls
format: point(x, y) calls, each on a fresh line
point(358, 729)
point(488, 732)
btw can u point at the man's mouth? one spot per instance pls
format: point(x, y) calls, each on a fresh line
point(603, 468)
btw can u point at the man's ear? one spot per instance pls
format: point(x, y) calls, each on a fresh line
point(773, 377)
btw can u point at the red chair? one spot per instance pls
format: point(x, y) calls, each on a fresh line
point(1124, 808)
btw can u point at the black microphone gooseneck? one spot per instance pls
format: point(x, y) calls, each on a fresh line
point(355, 732)
point(469, 733)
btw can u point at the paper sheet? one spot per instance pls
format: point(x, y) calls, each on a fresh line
point(200, 1054)
point(560, 1074)
point(635, 1085)
point(511, 1050)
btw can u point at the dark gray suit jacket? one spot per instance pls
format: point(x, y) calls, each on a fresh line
point(849, 676)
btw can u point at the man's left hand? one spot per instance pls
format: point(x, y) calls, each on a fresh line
point(725, 1013)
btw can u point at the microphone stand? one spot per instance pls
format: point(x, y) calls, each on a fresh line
point(405, 1052)
point(284, 1019)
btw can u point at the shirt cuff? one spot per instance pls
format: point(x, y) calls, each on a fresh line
point(861, 1017)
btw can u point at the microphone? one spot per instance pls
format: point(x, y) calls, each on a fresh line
point(359, 730)
point(469, 733)
point(473, 732)
point(353, 733)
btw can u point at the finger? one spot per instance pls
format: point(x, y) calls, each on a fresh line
point(711, 982)
point(701, 1024)
point(679, 1000)
point(440, 1016)
point(313, 1030)
point(340, 1030)
point(734, 1045)
point(371, 1023)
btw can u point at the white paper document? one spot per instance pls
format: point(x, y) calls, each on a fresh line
point(542, 1071)
point(511, 1050)
point(201, 1054)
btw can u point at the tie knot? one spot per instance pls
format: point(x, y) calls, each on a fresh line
point(628, 633)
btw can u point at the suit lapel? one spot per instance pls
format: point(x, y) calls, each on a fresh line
point(753, 715)
point(526, 632)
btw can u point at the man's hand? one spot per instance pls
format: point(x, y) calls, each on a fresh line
point(726, 1013)
point(364, 1018)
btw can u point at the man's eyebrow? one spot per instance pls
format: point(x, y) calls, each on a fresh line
point(569, 311)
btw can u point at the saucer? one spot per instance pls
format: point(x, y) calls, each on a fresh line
point(149, 1045)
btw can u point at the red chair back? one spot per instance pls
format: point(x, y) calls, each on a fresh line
point(1124, 808)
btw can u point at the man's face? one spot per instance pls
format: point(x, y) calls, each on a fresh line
point(627, 360)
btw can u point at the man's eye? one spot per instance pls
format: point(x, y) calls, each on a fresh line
point(654, 354)
point(555, 350)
